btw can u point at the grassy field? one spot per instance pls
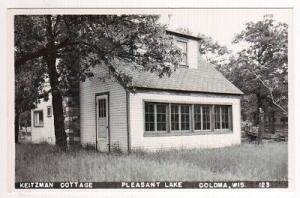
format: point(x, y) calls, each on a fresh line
point(246, 162)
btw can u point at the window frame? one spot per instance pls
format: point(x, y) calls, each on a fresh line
point(192, 130)
point(49, 114)
point(39, 124)
point(102, 112)
point(179, 120)
point(230, 119)
point(210, 120)
point(155, 118)
point(186, 42)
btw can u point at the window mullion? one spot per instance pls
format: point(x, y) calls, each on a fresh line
point(221, 120)
point(179, 115)
point(201, 116)
point(192, 118)
point(212, 125)
point(170, 118)
point(167, 118)
point(155, 118)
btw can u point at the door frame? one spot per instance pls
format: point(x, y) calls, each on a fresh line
point(108, 118)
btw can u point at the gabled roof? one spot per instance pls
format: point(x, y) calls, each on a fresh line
point(205, 79)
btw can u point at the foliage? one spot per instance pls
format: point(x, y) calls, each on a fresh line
point(263, 65)
point(247, 162)
point(66, 47)
point(25, 118)
point(214, 53)
point(28, 86)
point(96, 40)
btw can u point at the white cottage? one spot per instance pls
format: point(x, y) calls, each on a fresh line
point(196, 107)
point(42, 122)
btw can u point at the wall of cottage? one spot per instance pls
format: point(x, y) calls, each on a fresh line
point(45, 133)
point(136, 115)
point(117, 111)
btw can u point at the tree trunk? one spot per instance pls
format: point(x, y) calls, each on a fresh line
point(272, 122)
point(259, 105)
point(17, 116)
point(60, 135)
point(261, 128)
point(58, 113)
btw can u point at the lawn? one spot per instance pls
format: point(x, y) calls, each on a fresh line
point(246, 162)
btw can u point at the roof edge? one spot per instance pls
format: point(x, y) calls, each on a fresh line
point(175, 33)
point(188, 91)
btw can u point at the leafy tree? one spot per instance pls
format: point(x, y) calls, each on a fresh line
point(211, 50)
point(28, 84)
point(263, 64)
point(215, 53)
point(67, 42)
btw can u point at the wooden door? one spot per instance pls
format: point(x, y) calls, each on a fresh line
point(102, 123)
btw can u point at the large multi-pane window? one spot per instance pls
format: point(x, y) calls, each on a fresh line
point(168, 118)
point(222, 115)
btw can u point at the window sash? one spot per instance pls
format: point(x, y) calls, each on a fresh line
point(202, 117)
point(223, 117)
point(156, 118)
point(180, 117)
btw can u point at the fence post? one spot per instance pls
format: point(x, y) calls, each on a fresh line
point(261, 128)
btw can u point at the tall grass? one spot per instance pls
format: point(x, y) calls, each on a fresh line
point(246, 162)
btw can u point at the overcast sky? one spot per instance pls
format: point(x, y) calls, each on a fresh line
point(221, 24)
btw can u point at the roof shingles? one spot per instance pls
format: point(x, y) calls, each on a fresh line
point(204, 79)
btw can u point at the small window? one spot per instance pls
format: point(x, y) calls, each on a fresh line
point(102, 108)
point(49, 111)
point(182, 45)
point(38, 118)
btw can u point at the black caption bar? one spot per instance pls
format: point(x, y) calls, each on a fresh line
point(149, 185)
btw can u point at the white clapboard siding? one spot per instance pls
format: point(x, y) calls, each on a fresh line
point(43, 133)
point(117, 112)
point(138, 141)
